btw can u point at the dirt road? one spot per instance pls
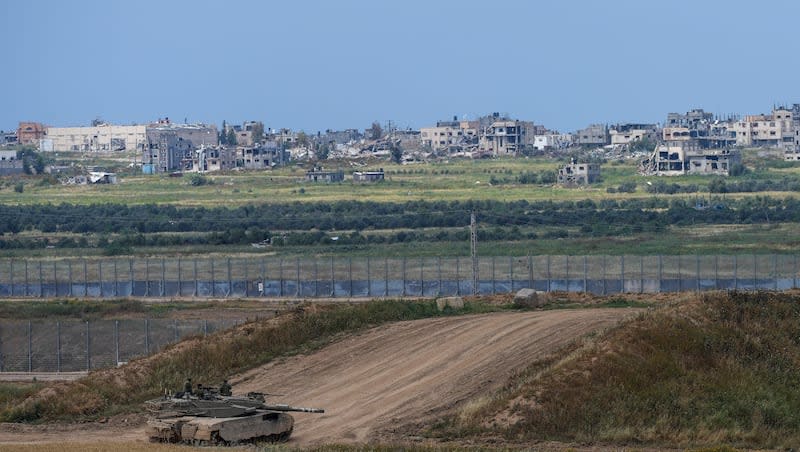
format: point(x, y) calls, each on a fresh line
point(411, 372)
point(373, 384)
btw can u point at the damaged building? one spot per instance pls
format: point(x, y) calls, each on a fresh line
point(171, 147)
point(575, 173)
point(677, 158)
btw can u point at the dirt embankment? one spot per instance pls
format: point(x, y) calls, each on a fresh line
point(375, 384)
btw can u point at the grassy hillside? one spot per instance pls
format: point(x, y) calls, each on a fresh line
point(721, 368)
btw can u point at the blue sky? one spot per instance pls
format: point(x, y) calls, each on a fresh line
point(315, 65)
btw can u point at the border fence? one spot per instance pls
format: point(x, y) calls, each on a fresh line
point(74, 345)
point(391, 277)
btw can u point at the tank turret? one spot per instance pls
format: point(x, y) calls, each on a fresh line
point(204, 417)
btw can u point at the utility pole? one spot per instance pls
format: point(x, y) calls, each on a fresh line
point(473, 235)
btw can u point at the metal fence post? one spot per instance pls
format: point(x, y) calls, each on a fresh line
point(179, 292)
point(566, 273)
point(11, 276)
point(55, 279)
point(775, 269)
point(58, 346)
point(548, 273)
point(147, 277)
point(163, 278)
point(680, 275)
point(116, 279)
point(316, 278)
point(530, 272)
point(350, 274)
point(205, 327)
point(604, 274)
point(697, 281)
point(458, 278)
point(511, 272)
point(439, 274)
point(404, 277)
point(794, 273)
point(88, 348)
point(622, 274)
point(641, 274)
point(369, 280)
point(26, 278)
point(130, 274)
point(333, 280)
point(263, 277)
point(297, 290)
point(421, 277)
point(230, 281)
point(41, 281)
point(30, 346)
point(716, 271)
point(116, 340)
point(196, 283)
point(280, 277)
point(755, 273)
point(660, 273)
point(100, 277)
point(735, 273)
point(146, 337)
point(386, 277)
point(585, 277)
point(175, 330)
point(213, 280)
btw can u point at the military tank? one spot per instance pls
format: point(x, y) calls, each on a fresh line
point(207, 418)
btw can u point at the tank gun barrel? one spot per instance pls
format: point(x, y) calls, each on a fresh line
point(282, 407)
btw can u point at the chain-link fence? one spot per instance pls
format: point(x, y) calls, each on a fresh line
point(389, 277)
point(73, 345)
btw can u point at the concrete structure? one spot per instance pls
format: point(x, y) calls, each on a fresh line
point(593, 135)
point(551, 141)
point(266, 155)
point(8, 138)
point(246, 134)
point(625, 134)
point(30, 132)
point(368, 176)
point(171, 147)
point(320, 175)
point(693, 119)
point(215, 158)
point(503, 137)
point(579, 173)
point(97, 138)
point(449, 136)
point(9, 164)
point(679, 158)
point(775, 130)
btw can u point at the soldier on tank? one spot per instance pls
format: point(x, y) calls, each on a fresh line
point(225, 388)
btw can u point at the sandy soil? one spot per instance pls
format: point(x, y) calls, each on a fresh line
point(412, 372)
point(374, 385)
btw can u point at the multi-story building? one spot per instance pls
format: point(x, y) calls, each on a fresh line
point(552, 141)
point(101, 137)
point(776, 129)
point(624, 134)
point(503, 137)
point(265, 155)
point(593, 135)
point(247, 134)
point(171, 147)
point(215, 158)
point(30, 132)
point(449, 136)
point(687, 157)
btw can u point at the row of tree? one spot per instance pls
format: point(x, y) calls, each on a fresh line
point(355, 215)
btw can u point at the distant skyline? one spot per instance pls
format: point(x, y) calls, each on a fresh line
point(316, 65)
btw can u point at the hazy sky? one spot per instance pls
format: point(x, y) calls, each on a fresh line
point(315, 65)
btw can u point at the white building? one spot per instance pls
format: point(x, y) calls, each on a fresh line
point(99, 138)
